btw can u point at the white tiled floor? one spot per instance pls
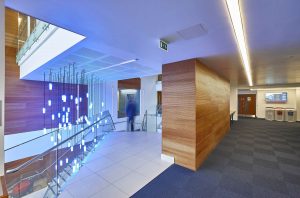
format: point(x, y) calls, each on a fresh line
point(122, 164)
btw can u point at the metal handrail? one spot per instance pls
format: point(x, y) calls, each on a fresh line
point(41, 136)
point(61, 156)
point(34, 139)
point(30, 140)
point(27, 163)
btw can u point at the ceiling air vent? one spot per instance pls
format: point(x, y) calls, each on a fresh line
point(186, 34)
point(192, 32)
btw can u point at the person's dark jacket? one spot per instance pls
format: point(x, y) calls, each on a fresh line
point(131, 110)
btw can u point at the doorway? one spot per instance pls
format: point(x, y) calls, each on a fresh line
point(247, 105)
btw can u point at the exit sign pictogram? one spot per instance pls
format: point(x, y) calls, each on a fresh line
point(163, 45)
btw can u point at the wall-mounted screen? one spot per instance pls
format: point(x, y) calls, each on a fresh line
point(276, 97)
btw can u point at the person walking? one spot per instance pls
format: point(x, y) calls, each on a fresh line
point(131, 112)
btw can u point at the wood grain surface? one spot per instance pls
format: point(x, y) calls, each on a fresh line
point(195, 111)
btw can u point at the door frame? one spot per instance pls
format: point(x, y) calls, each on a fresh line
point(255, 111)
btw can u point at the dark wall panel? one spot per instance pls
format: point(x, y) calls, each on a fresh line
point(24, 100)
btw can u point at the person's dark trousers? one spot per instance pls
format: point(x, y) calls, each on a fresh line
point(131, 123)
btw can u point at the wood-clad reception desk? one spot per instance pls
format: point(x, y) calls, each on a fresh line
point(196, 111)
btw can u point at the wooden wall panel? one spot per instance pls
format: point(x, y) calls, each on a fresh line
point(133, 83)
point(11, 28)
point(213, 109)
point(195, 104)
point(178, 104)
point(24, 100)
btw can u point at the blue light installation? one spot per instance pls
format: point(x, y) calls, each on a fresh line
point(64, 98)
point(59, 136)
point(63, 112)
point(50, 86)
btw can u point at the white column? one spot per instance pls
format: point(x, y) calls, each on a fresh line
point(234, 101)
point(2, 81)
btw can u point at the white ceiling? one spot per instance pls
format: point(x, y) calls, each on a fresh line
point(131, 29)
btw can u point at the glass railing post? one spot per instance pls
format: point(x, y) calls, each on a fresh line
point(56, 166)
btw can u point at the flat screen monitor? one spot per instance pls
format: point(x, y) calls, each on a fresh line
point(276, 97)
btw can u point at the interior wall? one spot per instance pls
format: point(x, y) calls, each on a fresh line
point(149, 94)
point(2, 84)
point(148, 99)
point(234, 101)
point(196, 103)
point(298, 103)
point(24, 100)
point(261, 104)
point(212, 111)
point(179, 112)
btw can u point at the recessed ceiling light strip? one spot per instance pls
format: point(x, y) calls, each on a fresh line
point(115, 65)
point(236, 19)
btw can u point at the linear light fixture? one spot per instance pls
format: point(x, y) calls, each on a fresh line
point(276, 88)
point(236, 19)
point(115, 65)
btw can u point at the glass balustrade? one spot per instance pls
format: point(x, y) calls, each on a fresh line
point(152, 122)
point(49, 170)
point(26, 41)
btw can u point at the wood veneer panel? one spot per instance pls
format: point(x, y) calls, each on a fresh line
point(11, 28)
point(24, 100)
point(133, 83)
point(212, 107)
point(195, 104)
point(178, 101)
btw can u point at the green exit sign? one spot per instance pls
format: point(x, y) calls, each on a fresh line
point(163, 45)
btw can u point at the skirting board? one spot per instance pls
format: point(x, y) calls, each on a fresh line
point(167, 158)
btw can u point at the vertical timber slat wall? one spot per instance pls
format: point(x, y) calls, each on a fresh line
point(2, 84)
point(179, 113)
point(213, 109)
point(24, 100)
point(196, 111)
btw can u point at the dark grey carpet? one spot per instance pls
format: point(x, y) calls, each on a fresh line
point(257, 158)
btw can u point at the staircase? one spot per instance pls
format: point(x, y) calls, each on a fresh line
point(59, 163)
